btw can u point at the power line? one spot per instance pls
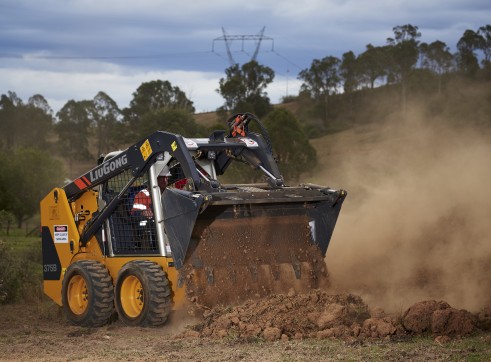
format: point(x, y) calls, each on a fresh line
point(98, 57)
point(230, 53)
point(288, 60)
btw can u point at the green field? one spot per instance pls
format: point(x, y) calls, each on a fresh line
point(21, 267)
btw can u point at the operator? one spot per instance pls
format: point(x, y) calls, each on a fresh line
point(142, 203)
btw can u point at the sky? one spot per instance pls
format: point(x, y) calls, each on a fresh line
point(72, 49)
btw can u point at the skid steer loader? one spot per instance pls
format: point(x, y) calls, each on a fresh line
point(200, 240)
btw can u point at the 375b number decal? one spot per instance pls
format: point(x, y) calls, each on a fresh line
point(50, 268)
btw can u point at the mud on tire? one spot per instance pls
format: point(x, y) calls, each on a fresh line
point(142, 294)
point(87, 294)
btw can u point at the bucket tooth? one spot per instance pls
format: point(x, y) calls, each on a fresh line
point(275, 271)
point(209, 275)
point(197, 263)
point(297, 267)
point(253, 271)
point(232, 273)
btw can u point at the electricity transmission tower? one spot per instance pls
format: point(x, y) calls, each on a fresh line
point(228, 39)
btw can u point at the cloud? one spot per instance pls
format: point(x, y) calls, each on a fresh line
point(62, 85)
point(60, 80)
point(115, 27)
point(116, 45)
point(59, 86)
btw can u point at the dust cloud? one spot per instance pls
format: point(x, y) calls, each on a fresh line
point(416, 224)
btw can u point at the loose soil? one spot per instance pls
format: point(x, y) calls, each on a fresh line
point(300, 327)
point(321, 315)
point(239, 259)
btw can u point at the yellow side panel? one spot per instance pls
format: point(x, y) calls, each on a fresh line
point(58, 233)
point(84, 207)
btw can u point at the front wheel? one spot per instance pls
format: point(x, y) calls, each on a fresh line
point(142, 294)
point(87, 294)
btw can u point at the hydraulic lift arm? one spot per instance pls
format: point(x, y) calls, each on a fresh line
point(138, 158)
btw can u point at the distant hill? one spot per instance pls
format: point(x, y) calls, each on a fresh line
point(206, 119)
point(463, 102)
point(209, 119)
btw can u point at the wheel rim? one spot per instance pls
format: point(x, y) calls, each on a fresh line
point(78, 296)
point(132, 296)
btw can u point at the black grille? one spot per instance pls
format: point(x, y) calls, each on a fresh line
point(131, 230)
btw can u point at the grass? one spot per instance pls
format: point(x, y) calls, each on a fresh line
point(421, 348)
point(20, 244)
point(21, 267)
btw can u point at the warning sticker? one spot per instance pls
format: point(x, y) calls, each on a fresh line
point(61, 233)
point(146, 150)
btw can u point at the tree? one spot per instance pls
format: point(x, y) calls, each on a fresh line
point(9, 124)
point(4, 180)
point(24, 125)
point(404, 53)
point(38, 101)
point(372, 64)
point(290, 144)
point(404, 34)
point(175, 121)
point(73, 129)
point(321, 80)
point(79, 120)
point(349, 72)
point(29, 174)
point(437, 58)
point(106, 122)
point(232, 88)
point(256, 78)
point(154, 96)
point(37, 120)
point(6, 220)
point(244, 88)
point(484, 44)
point(466, 58)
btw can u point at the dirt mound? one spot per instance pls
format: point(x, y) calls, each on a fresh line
point(484, 318)
point(417, 318)
point(452, 322)
point(295, 316)
point(439, 318)
point(318, 314)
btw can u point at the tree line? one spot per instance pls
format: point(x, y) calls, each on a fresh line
point(396, 63)
point(34, 140)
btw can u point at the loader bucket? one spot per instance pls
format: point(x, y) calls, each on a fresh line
point(249, 244)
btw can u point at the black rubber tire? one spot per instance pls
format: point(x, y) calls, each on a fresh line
point(153, 306)
point(97, 299)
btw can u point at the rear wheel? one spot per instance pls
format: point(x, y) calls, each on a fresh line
point(87, 294)
point(143, 294)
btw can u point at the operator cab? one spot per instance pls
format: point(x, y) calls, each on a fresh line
point(132, 230)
